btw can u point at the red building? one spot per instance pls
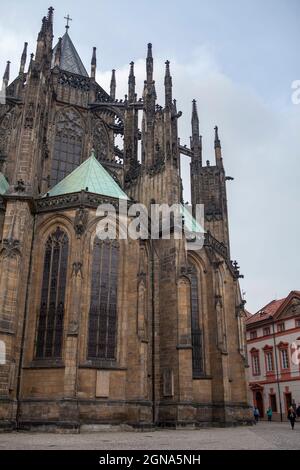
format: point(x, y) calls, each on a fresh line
point(273, 345)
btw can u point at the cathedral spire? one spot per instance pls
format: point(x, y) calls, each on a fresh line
point(31, 62)
point(218, 149)
point(196, 141)
point(50, 18)
point(6, 74)
point(94, 64)
point(168, 86)
point(43, 28)
point(57, 57)
point(70, 60)
point(217, 139)
point(131, 83)
point(195, 119)
point(23, 59)
point(113, 85)
point(50, 15)
point(149, 64)
point(44, 41)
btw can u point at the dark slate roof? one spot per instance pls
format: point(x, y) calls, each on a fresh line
point(70, 60)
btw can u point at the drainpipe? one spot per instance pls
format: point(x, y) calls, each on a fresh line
point(276, 366)
point(153, 337)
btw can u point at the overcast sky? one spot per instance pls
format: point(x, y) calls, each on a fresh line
point(238, 59)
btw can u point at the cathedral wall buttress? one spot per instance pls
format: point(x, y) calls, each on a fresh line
point(76, 375)
point(14, 269)
point(209, 188)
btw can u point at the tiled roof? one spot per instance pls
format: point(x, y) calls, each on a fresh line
point(3, 184)
point(268, 310)
point(69, 60)
point(248, 314)
point(91, 177)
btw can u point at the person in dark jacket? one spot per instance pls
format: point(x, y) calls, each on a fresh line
point(256, 414)
point(292, 416)
point(269, 413)
point(298, 411)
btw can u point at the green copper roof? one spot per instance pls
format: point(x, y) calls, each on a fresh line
point(3, 184)
point(89, 176)
point(190, 222)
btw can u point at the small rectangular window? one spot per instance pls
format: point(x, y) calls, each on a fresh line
point(266, 331)
point(285, 363)
point(256, 365)
point(281, 327)
point(269, 361)
point(253, 334)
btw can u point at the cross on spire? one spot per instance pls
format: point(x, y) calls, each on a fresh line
point(68, 18)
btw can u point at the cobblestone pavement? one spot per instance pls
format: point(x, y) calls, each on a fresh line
point(262, 436)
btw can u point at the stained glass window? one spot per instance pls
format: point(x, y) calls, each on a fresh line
point(197, 334)
point(67, 146)
point(51, 317)
point(103, 301)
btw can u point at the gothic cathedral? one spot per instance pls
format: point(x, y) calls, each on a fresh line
point(140, 332)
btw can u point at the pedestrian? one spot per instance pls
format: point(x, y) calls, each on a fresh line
point(256, 414)
point(292, 416)
point(298, 411)
point(269, 413)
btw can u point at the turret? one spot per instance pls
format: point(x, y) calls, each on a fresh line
point(50, 20)
point(149, 64)
point(45, 38)
point(113, 85)
point(93, 64)
point(131, 84)
point(23, 59)
point(168, 86)
point(58, 53)
point(196, 140)
point(218, 149)
point(149, 97)
point(6, 75)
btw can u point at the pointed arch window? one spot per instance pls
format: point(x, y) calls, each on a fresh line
point(197, 333)
point(52, 308)
point(68, 145)
point(103, 301)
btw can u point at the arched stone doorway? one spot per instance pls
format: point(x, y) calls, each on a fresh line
point(259, 403)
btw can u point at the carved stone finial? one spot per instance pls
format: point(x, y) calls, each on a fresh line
point(236, 270)
point(20, 186)
point(80, 221)
point(6, 73)
point(50, 15)
point(217, 139)
point(23, 59)
point(11, 245)
point(113, 85)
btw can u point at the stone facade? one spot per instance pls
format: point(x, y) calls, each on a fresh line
point(174, 308)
